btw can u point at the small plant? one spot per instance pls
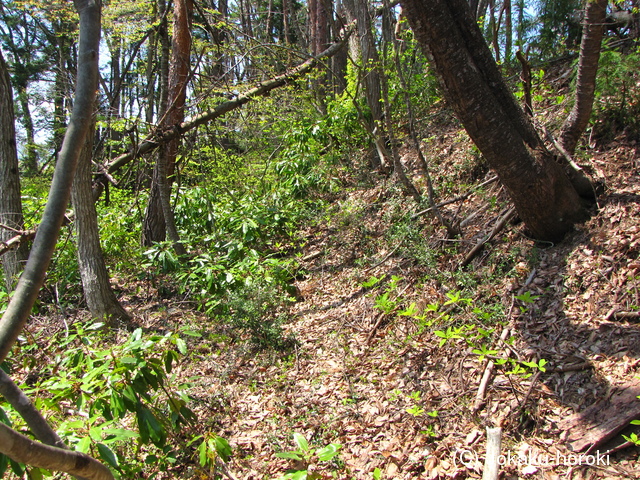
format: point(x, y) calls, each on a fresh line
point(540, 365)
point(527, 299)
point(415, 410)
point(483, 351)
point(449, 334)
point(305, 456)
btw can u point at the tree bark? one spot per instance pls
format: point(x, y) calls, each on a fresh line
point(13, 444)
point(98, 294)
point(542, 193)
point(10, 200)
point(159, 209)
point(578, 119)
point(19, 307)
point(365, 53)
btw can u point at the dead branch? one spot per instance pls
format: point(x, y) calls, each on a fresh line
point(24, 450)
point(459, 198)
point(499, 225)
point(14, 242)
point(491, 461)
point(486, 377)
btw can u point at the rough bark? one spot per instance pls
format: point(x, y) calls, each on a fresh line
point(10, 201)
point(578, 119)
point(542, 193)
point(159, 209)
point(98, 294)
point(364, 52)
point(19, 307)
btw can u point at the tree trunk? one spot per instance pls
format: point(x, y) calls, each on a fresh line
point(541, 191)
point(367, 56)
point(14, 445)
point(578, 119)
point(98, 294)
point(159, 221)
point(10, 200)
point(30, 162)
point(21, 303)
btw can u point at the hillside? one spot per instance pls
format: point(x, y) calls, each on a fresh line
point(381, 385)
point(392, 335)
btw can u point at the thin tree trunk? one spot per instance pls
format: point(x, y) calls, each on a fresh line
point(154, 226)
point(10, 200)
point(165, 165)
point(13, 444)
point(21, 303)
point(31, 161)
point(578, 119)
point(541, 191)
point(98, 294)
point(367, 56)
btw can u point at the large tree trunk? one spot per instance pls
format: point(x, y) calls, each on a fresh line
point(159, 213)
point(541, 191)
point(98, 294)
point(578, 119)
point(10, 201)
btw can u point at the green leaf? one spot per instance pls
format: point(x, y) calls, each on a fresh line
point(202, 453)
point(327, 453)
point(82, 446)
point(4, 464)
point(377, 474)
point(107, 455)
point(17, 468)
point(301, 442)
point(118, 434)
point(298, 475)
point(289, 456)
point(223, 448)
point(182, 346)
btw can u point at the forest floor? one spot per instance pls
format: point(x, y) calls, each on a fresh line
point(370, 373)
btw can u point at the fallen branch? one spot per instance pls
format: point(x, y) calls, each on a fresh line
point(459, 198)
point(626, 315)
point(486, 376)
point(24, 450)
point(14, 242)
point(158, 138)
point(499, 225)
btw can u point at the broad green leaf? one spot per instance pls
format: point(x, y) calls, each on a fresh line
point(182, 346)
point(83, 445)
point(202, 453)
point(301, 442)
point(107, 455)
point(4, 464)
point(327, 453)
point(223, 448)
